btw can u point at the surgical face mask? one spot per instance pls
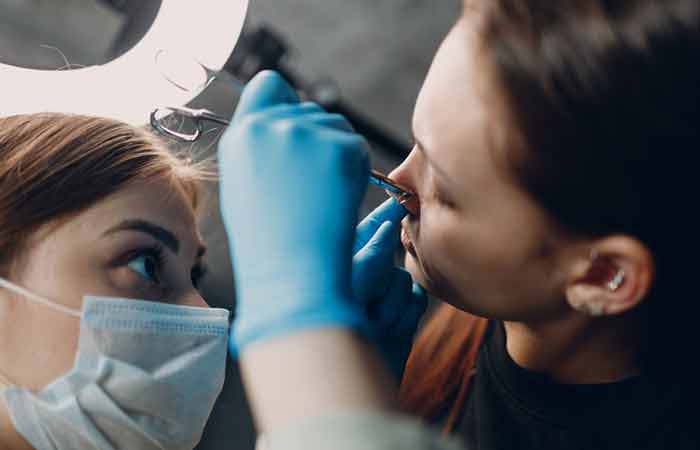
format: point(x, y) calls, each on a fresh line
point(145, 376)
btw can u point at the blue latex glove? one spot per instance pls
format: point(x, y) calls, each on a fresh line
point(392, 302)
point(292, 179)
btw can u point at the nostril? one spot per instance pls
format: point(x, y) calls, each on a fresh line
point(404, 177)
point(407, 200)
point(412, 205)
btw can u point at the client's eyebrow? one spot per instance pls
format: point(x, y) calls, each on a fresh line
point(157, 232)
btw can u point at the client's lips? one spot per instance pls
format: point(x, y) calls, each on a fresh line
point(406, 242)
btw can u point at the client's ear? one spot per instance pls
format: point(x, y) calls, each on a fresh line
point(615, 277)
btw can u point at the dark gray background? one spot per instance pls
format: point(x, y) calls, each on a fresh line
point(378, 52)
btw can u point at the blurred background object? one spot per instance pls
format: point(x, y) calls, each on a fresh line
point(365, 57)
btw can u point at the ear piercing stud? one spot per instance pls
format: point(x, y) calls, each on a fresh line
point(617, 281)
point(619, 278)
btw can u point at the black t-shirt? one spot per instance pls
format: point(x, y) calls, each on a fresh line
point(510, 408)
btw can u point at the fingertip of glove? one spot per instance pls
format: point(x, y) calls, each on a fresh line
point(267, 88)
point(395, 211)
point(387, 233)
point(419, 291)
point(268, 80)
point(387, 225)
point(389, 211)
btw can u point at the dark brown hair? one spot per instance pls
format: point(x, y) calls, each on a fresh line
point(55, 165)
point(604, 97)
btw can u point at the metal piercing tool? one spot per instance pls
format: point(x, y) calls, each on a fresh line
point(190, 75)
point(199, 116)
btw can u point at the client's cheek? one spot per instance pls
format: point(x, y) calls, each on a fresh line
point(437, 264)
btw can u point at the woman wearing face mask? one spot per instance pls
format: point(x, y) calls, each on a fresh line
point(554, 167)
point(105, 341)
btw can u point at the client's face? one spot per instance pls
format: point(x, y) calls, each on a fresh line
point(475, 238)
point(141, 242)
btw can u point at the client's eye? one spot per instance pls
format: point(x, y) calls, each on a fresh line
point(148, 263)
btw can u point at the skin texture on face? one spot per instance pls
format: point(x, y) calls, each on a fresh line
point(141, 242)
point(476, 240)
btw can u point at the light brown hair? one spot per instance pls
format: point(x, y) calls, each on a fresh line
point(54, 165)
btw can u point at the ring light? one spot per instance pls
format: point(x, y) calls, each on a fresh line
point(131, 86)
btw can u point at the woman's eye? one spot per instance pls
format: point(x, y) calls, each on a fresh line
point(147, 266)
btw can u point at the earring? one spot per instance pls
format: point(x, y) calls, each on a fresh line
point(617, 281)
point(598, 309)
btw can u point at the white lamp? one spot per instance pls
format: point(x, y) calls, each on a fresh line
point(131, 86)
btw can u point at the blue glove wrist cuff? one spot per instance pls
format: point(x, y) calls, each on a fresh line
point(246, 332)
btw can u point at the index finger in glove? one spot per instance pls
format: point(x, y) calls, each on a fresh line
point(373, 263)
point(389, 211)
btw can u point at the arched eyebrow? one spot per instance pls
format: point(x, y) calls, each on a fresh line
point(159, 233)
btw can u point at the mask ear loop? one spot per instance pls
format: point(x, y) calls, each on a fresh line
point(36, 299)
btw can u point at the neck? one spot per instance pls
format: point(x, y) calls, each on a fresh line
point(578, 349)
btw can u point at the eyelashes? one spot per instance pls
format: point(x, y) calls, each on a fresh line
point(150, 264)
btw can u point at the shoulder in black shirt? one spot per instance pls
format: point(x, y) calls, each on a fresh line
point(510, 408)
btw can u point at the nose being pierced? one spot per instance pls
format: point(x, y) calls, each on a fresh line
point(412, 205)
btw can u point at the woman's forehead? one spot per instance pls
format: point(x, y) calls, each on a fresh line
point(157, 202)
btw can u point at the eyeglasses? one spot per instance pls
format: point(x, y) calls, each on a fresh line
point(199, 116)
